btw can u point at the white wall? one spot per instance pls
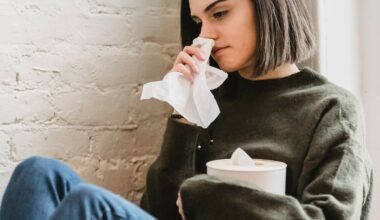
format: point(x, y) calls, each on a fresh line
point(339, 43)
point(336, 25)
point(369, 56)
point(71, 73)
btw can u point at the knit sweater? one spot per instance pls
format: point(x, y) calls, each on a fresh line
point(303, 120)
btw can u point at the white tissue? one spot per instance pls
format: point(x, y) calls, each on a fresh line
point(194, 101)
point(241, 158)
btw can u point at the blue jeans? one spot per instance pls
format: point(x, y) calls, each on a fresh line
point(42, 188)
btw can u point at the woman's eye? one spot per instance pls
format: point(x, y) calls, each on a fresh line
point(219, 15)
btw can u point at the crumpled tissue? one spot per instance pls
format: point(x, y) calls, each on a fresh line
point(193, 100)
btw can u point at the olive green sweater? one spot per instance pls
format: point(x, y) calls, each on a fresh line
point(309, 123)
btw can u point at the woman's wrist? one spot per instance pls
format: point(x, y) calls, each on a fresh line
point(179, 117)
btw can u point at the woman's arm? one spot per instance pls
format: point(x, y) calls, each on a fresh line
point(174, 164)
point(335, 183)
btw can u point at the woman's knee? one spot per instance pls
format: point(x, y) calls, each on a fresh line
point(37, 166)
point(88, 198)
point(32, 163)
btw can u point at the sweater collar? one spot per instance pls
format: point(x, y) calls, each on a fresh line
point(235, 85)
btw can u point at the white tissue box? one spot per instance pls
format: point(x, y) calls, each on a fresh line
point(268, 175)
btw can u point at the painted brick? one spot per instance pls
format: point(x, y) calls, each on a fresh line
point(94, 108)
point(4, 150)
point(71, 74)
point(54, 142)
point(31, 106)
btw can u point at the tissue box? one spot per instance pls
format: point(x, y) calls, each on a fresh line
point(268, 175)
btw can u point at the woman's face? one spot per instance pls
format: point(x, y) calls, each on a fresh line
point(231, 24)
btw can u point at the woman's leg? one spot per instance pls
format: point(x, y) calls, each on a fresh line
point(37, 187)
point(88, 202)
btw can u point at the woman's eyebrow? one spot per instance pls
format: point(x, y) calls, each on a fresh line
point(210, 6)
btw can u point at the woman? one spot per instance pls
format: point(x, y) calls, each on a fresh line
point(272, 110)
point(269, 108)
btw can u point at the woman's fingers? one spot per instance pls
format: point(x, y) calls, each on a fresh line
point(185, 71)
point(187, 60)
point(185, 64)
point(180, 207)
point(196, 51)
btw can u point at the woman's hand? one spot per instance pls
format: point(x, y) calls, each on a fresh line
point(185, 64)
point(180, 208)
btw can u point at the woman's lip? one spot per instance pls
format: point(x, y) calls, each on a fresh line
point(216, 50)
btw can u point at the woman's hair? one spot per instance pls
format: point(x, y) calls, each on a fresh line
point(284, 33)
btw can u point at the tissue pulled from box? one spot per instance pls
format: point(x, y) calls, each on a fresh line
point(193, 100)
point(241, 158)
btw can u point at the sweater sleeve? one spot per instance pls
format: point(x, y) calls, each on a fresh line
point(335, 182)
point(174, 164)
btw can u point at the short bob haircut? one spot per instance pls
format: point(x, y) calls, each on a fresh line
point(284, 33)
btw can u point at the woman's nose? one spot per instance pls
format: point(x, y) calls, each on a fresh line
point(207, 31)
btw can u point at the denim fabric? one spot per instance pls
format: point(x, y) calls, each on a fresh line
point(42, 188)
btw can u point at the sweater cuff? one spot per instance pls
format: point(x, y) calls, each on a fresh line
point(201, 197)
point(192, 193)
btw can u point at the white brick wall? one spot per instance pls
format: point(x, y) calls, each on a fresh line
point(71, 74)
